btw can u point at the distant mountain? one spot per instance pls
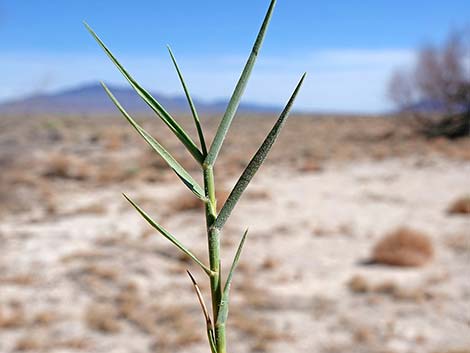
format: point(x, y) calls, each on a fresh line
point(91, 99)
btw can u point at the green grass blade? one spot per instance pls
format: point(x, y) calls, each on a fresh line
point(238, 92)
point(255, 162)
point(197, 122)
point(153, 103)
point(177, 168)
point(167, 235)
point(224, 302)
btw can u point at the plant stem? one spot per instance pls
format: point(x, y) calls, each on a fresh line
point(213, 236)
point(220, 338)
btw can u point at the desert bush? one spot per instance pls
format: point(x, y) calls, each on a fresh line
point(439, 81)
point(64, 166)
point(102, 317)
point(460, 206)
point(459, 243)
point(403, 247)
point(358, 284)
point(12, 315)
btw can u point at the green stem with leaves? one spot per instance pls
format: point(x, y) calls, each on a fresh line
point(206, 157)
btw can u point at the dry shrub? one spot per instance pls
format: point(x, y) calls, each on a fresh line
point(113, 139)
point(363, 335)
point(323, 306)
point(245, 317)
point(358, 284)
point(18, 280)
point(255, 297)
point(170, 325)
point(309, 166)
point(12, 316)
point(102, 317)
point(116, 169)
point(260, 332)
point(19, 191)
point(83, 255)
point(269, 263)
point(454, 350)
point(461, 206)
point(102, 272)
point(66, 167)
point(92, 208)
point(403, 247)
point(257, 194)
point(459, 243)
point(45, 318)
point(29, 342)
point(35, 342)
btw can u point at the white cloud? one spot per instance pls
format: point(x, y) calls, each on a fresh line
point(339, 80)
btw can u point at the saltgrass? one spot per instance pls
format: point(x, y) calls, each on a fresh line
point(206, 157)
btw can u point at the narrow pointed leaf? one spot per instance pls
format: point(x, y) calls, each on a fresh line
point(255, 162)
point(153, 103)
point(224, 302)
point(177, 168)
point(238, 92)
point(167, 235)
point(197, 122)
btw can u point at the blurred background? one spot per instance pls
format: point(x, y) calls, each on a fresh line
point(359, 220)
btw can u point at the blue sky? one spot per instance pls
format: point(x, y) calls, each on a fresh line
point(348, 48)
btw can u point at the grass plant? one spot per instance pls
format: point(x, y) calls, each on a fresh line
point(206, 156)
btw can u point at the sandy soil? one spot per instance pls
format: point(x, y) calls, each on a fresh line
point(88, 275)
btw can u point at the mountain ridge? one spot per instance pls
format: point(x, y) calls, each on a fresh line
point(90, 98)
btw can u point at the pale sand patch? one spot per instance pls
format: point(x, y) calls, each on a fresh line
point(318, 226)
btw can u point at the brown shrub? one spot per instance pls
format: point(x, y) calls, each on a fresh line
point(101, 272)
point(102, 317)
point(257, 194)
point(461, 206)
point(12, 316)
point(269, 263)
point(403, 247)
point(309, 166)
point(454, 350)
point(358, 284)
point(66, 167)
point(29, 343)
point(459, 243)
point(92, 208)
point(45, 318)
point(113, 138)
point(25, 279)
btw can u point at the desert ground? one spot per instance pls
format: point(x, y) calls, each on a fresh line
point(81, 271)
